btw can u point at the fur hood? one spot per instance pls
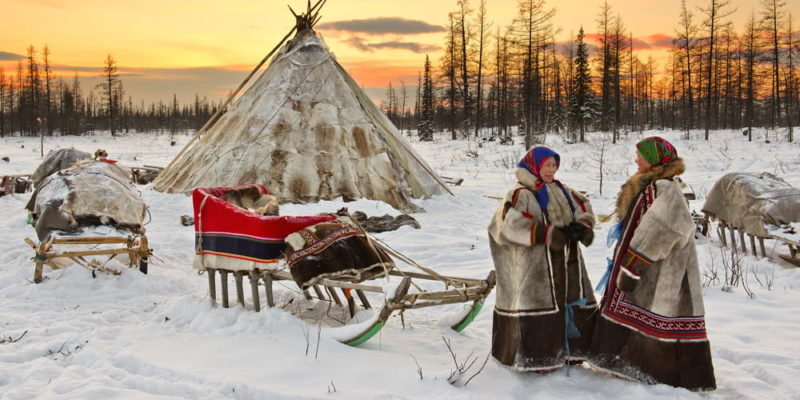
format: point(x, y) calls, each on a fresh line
point(526, 178)
point(630, 190)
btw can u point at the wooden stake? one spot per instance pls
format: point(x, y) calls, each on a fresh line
point(237, 275)
point(254, 291)
point(224, 282)
point(212, 284)
point(268, 290)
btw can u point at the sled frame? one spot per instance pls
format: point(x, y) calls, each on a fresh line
point(51, 249)
point(727, 234)
point(462, 290)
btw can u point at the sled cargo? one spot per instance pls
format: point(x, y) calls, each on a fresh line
point(759, 205)
point(88, 214)
point(232, 240)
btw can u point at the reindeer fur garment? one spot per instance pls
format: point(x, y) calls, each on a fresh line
point(534, 283)
point(656, 332)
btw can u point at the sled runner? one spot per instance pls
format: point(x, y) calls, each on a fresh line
point(761, 206)
point(330, 258)
point(88, 214)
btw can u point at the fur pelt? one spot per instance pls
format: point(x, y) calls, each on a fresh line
point(251, 198)
point(631, 188)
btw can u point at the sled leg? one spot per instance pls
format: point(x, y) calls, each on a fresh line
point(363, 298)
point(239, 289)
point(41, 258)
point(254, 290)
point(224, 283)
point(721, 232)
point(334, 296)
point(144, 254)
point(753, 245)
point(741, 240)
point(212, 284)
point(306, 294)
point(318, 292)
point(268, 289)
point(761, 245)
point(733, 239)
point(351, 303)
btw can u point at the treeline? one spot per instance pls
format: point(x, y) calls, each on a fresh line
point(518, 79)
point(35, 101)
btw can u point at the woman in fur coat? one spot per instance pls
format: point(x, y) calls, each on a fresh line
point(544, 300)
point(651, 326)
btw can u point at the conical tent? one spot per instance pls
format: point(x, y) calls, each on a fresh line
point(306, 131)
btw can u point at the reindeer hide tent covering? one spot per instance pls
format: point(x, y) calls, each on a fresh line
point(305, 130)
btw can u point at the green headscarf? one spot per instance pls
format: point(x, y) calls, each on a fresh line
point(655, 150)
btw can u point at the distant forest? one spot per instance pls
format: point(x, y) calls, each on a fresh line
point(514, 80)
point(35, 102)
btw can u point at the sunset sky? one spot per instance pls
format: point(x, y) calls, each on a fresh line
point(207, 47)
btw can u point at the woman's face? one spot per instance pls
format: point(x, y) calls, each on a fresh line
point(643, 165)
point(548, 169)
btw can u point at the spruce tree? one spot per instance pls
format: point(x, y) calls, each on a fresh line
point(425, 128)
point(582, 104)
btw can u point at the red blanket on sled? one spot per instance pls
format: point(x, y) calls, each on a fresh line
point(233, 238)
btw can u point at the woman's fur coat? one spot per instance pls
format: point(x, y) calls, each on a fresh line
point(655, 332)
point(534, 283)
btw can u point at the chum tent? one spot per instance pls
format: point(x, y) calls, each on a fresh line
point(306, 131)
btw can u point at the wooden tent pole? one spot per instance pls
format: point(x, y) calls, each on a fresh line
point(220, 111)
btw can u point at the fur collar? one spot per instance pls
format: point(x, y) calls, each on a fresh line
point(631, 189)
point(526, 178)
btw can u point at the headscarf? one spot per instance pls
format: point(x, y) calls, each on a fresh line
point(532, 162)
point(535, 157)
point(656, 150)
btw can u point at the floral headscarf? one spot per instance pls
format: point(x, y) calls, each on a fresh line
point(656, 150)
point(532, 162)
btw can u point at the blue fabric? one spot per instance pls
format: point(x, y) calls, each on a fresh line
point(614, 236)
point(603, 282)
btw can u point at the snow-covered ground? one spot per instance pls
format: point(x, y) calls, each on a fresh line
point(157, 336)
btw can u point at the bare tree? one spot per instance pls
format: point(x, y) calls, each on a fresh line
point(48, 100)
point(483, 33)
point(790, 78)
point(2, 102)
point(109, 90)
point(771, 19)
point(751, 51)
point(686, 43)
point(715, 12)
point(465, 33)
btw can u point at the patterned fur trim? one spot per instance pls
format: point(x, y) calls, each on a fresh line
point(630, 190)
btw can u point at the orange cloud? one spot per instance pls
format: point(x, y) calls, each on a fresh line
point(380, 74)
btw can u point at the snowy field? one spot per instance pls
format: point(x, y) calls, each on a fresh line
point(157, 336)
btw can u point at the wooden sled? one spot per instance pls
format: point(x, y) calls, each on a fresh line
point(134, 246)
point(233, 241)
point(463, 291)
point(728, 234)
